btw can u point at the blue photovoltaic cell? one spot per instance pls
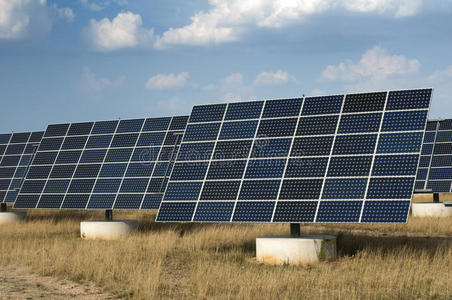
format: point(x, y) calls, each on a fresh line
point(440, 173)
point(360, 123)
point(259, 189)
point(229, 169)
point(443, 136)
point(244, 110)
point(427, 149)
point(404, 121)
point(322, 105)
point(183, 191)
point(265, 168)
point(220, 190)
point(349, 188)
point(282, 108)
point(271, 148)
point(110, 162)
point(442, 161)
point(295, 212)
point(385, 211)
point(195, 151)
point(176, 211)
point(207, 113)
point(355, 144)
point(400, 142)
point(345, 158)
point(390, 188)
point(214, 211)
point(445, 125)
point(317, 125)
point(429, 137)
point(277, 127)
point(421, 174)
point(257, 211)
point(392, 165)
point(238, 130)
point(439, 186)
point(16, 152)
point(339, 211)
point(409, 99)
point(232, 149)
point(201, 132)
point(306, 167)
point(343, 166)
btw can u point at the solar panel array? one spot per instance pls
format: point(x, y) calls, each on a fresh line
point(16, 151)
point(344, 158)
point(435, 166)
point(118, 164)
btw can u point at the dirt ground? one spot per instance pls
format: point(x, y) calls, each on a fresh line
point(20, 284)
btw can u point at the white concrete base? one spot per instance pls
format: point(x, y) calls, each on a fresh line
point(306, 249)
point(107, 230)
point(12, 217)
point(430, 210)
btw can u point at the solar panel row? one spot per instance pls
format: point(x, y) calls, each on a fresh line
point(435, 166)
point(16, 151)
point(344, 158)
point(118, 164)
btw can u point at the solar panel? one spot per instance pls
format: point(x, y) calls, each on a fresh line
point(435, 166)
point(118, 164)
point(342, 158)
point(16, 151)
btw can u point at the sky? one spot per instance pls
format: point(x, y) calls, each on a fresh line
point(85, 60)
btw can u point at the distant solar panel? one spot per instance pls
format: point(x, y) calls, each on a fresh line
point(435, 166)
point(119, 164)
point(342, 158)
point(16, 151)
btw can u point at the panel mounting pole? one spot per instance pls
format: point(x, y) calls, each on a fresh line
point(109, 215)
point(295, 230)
point(3, 208)
point(435, 197)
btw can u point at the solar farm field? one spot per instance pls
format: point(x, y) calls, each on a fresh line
point(215, 261)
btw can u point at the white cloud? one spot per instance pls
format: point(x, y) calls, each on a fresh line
point(64, 13)
point(95, 85)
point(124, 31)
point(167, 81)
point(376, 64)
point(401, 8)
point(277, 78)
point(20, 19)
point(228, 19)
point(97, 5)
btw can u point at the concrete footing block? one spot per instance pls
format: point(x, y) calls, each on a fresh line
point(430, 210)
point(12, 217)
point(107, 230)
point(305, 249)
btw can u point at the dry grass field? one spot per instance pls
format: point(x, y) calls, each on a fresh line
point(207, 261)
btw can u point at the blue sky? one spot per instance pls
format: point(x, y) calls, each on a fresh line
point(83, 60)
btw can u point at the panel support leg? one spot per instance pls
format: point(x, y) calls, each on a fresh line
point(108, 215)
point(3, 208)
point(435, 197)
point(295, 230)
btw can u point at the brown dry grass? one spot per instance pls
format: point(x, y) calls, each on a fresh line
point(209, 261)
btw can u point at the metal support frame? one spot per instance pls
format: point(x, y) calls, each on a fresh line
point(295, 230)
point(109, 215)
point(3, 208)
